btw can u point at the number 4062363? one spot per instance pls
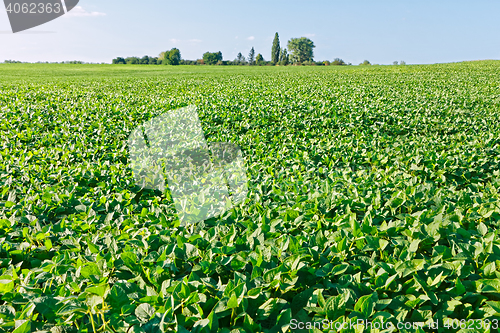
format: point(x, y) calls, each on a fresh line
point(34, 8)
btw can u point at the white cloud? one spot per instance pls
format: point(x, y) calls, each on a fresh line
point(251, 38)
point(78, 11)
point(309, 35)
point(176, 41)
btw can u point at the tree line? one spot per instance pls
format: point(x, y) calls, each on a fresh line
point(299, 51)
point(72, 62)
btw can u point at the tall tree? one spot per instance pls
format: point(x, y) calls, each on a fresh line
point(301, 49)
point(240, 58)
point(172, 57)
point(219, 56)
point(251, 56)
point(283, 57)
point(275, 51)
point(259, 60)
point(212, 58)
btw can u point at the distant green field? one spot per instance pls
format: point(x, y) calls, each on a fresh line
point(374, 194)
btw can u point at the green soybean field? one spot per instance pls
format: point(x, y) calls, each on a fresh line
point(373, 197)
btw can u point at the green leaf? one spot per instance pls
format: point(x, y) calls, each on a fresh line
point(130, 260)
point(365, 305)
point(6, 284)
point(335, 307)
point(71, 308)
point(92, 247)
point(489, 269)
point(117, 296)
point(459, 287)
point(47, 306)
point(414, 245)
point(495, 305)
point(81, 208)
point(300, 301)
point(90, 269)
point(22, 326)
point(233, 302)
point(489, 285)
point(190, 251)
point(213, 322)
point(101, 290)
point(4, 224)
point(93, 301)
point(483, 230)
point(270, 306)
point(144, 312)
point(284, 320)
point(7, 312)
point(340, 269)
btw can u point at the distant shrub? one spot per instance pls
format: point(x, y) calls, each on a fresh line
point(119, 60)
point(338, 62)
point(132, 60)
point(259, 60)
point(365, 63)
point(188, 62)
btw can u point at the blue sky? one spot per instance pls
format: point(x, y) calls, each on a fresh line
point(380, 31)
